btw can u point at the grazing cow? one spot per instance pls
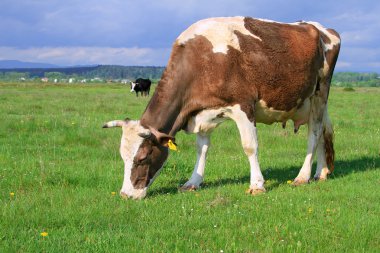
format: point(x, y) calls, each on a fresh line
point(240, 68)
point(141, 85)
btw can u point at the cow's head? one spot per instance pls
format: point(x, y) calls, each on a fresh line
point(144, 152)
point(133, 85)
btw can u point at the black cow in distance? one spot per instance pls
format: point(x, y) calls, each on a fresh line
point(141, 85)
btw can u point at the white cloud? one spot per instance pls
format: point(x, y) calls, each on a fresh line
point(88, 55)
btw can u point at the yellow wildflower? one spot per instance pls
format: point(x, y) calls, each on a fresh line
point(289, 181)
point(12, 194)
point(43, 234)
point(113, 193)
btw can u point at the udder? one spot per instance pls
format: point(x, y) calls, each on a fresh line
point(269, 115)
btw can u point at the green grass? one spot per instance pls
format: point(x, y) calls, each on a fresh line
point(62, 167)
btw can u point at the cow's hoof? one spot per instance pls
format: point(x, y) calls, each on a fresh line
point(255, 191)
point(322, 175)
point(320, 179)
point(188, 188)
point(298, 182)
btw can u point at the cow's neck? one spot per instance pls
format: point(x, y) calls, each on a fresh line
point(165, 110)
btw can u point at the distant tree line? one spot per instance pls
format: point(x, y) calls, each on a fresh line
point(114, 72)
point(106, 72)
point(123, 72)
point(354, 79)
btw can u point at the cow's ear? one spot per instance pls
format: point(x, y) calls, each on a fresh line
point(167, 141)
point(162, 138)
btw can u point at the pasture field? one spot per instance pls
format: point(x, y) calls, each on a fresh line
point(59, 172)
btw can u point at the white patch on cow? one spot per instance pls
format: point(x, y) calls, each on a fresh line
point(335, 40)
point(219, 31)
point(133, 86)
point(207, 120)
point(129, 145)
point(276, 22)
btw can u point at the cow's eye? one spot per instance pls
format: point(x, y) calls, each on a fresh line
point(142, 158)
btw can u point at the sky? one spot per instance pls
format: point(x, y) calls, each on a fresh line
point(141, 32)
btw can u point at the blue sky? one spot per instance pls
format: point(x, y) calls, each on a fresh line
point(141, 32)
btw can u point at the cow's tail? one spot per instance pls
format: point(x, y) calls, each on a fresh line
point(328, 136)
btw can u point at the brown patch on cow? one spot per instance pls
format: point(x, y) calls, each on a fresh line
point(329, 149)
point(147, 162)
point(284, 71)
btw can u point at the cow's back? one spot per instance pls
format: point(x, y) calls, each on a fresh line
point(249, 60)
point(270, 66)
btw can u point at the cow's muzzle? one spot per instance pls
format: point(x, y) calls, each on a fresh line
point(134, 194)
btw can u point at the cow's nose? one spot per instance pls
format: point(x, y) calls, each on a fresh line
point(124, 195)
point(135, 194)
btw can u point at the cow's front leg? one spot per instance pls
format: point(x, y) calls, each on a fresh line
point(250, 146)
point(203, 143)
point(248, 135)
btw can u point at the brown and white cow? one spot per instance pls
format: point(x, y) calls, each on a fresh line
point(244, 69)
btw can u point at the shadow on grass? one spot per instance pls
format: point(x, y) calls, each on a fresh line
point(281, 176)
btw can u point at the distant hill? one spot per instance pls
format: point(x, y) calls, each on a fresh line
point(14, 64)
point(101, 71)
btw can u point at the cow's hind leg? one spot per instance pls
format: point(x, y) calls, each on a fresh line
point(203, 143)
point(248, 135)
point(314, 134)
point(325, 150)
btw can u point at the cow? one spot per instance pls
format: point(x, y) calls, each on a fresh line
point(240, 68)
point(141, 85)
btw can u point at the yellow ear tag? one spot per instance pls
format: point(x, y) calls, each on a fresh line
point(172, 146)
